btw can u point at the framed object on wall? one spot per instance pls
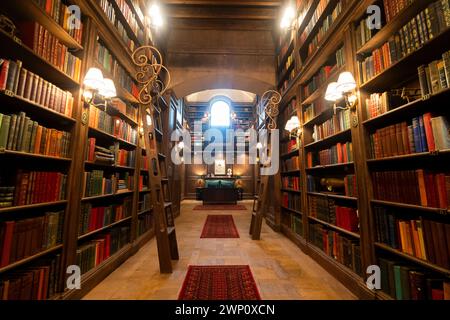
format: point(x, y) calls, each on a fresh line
point(219, 167)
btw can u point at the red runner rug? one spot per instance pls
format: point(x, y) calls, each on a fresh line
point(219, 283)
point(219, 226)
point(221, 207)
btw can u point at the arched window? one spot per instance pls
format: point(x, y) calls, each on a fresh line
point(220, 114)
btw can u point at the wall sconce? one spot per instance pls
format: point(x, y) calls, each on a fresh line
point(287, 20)
point(96, 85)
point(343, 88)
point(293, 126)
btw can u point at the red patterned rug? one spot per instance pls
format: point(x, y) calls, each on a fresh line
point(219, 283)
point(221, 207)
point(219, 226)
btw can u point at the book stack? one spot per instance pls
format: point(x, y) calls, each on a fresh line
point(427, 25)
point(20, 133)
point(351, 187)
point(339, 122)
point(37, 282)
point(125, 158)
point(405, 282)
point(422, 238)
point(145, 223)
point(297, 224)
point(291, 201)
point(423, 134)
point(24, 238)
point(318, 80)
point(425, 188)
point(291, 164)
point(99, 154)
point(325, 209)
point(94, 252)
point(378, 103)
point(95, 184)
point(49, 48)
point(291, 183)
point(18, 81)
point(392, 8)
point(125, 108)
point(94, 218)
point(61, 14)
point(341, 248)
point(327, 23)
point(33, 187)
point(435, 76)
point(6, 197)
point(144, 202)
point(341, 153)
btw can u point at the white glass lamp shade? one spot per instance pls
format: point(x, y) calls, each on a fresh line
point(288, 126)
point(295, 122)
point(93, 79)
point(332, 93)
point(346, 82)
point(108, 90)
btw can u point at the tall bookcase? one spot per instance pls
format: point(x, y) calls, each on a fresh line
point(351, 195)
point(79, 195)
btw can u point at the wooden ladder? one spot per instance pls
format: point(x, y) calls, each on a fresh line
point(164, 222)
point(259, 203)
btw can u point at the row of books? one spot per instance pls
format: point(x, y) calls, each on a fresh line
point(379, 103)
point(113, 125)
point(31, 187)
point(20, 133)
point(424, 133)
point(144, 202)
point(313, 110)
point(340, 58)
point(326, 25)
point(318, 80)
point(291, 183)
point(112, 66)
point(350, 185)
point(339, 153)
point(112, 155)
point(284, 49)
point(343, 249)
point(143, 182)
point(423, 238)
point(129, 15)
point(145, 223)
point(289, 62)
point(97, 184)
point(326, 209)
point(110, 12)
point(363, 33)
point(291, 201)
point(64, 17)
point(289, 146)
point(296, 224)
point(49, 48)
point(435, 76)
point(425, 188)
point(283, 87)
point(412, 36)
point(405, 282)
point(17, 80)
point(125, 108)
point(94, 218)
point(321, 6)
point(290, 164)
point(392, 7)
point(24, 238)
point(337, 123)
point(37, 282)
point(94, 252)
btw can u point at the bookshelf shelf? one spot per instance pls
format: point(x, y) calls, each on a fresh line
point(291, 210)
point(86, 235)
point(103, 165)
point(33, 156)
point(30, 258)
point(30, 10)
point(291, 190)
point(35, 63)
point(411, 207)
point(330, 195)
point(400, 71)
point(33, 206)
point(105, 196)
point(331, 166)
point(144, 191)
point(421, 262)
point(320, 118)
point(100, 133)
point(334, 227)
point(392, 26)
point(144, 211)
point(36, 109)
point(412, 156)
point(337, 137)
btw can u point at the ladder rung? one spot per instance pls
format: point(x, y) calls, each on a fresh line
point(170, 230)
point(167, 204)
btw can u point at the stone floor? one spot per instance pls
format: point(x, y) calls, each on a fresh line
point(279, 267)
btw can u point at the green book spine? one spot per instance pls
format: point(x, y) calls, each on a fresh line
point(6, 121)
point(398, 283)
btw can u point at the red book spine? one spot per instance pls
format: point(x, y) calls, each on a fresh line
point(7, 241)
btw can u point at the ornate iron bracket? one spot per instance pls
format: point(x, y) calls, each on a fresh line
point(270, 101)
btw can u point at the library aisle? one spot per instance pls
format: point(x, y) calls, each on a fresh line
point(281, 270)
